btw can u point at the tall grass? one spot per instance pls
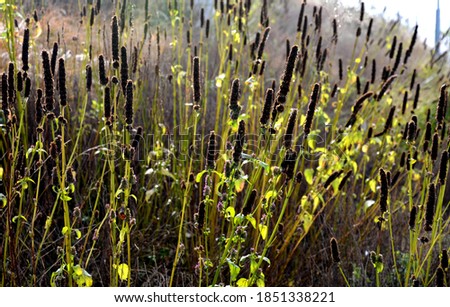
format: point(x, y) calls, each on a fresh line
point(175, 143)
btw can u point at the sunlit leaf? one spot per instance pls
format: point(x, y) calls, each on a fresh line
point(123, 270)
point(242, 282)
point(78, 233)
point(309, 173)
point(234, 269)
point(260, 282)
point(239, 184)
point(199, 176)
point(252, 221)
point(230, 212)
point(263, 230)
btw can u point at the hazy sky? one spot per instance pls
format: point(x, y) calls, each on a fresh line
point(422, 12)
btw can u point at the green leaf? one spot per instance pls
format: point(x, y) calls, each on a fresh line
point(123, 271)
point(3, 200)
point(65, 197)
point(78, 233)
point(373, 185)
point(15, 218)
point(252, 220)
point(234, 269)
point(230, 212)
point(270, 194)
point(263, 230)
point(64, 230)
point(379, 266)
point(242, 282)
point(309, 173)
point(260, 282)
point(199, 176)
point(239, 184)
point(253, 266)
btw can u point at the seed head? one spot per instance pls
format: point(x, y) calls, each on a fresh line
point(102, 70)
point(48, 81)
point(440, 114)
point(25, 46)
point(335, 250)
point(115, 41)
point(443, 167)
point(239, 142)
point(267, 107)
point(435, 147)
point(384, 191)
point(123, 67)
point(311, 108)
point(196, 76)
point(290, 129)
point(412, 217)
point(234, 106)
point(107, 102)
point(62, 82)
point(211, 154)
point(88, 77)
point(431, 201)
point(129, 103)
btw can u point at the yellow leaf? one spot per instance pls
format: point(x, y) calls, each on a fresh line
point(123, 270)
point(242, 282)
point(263, 229)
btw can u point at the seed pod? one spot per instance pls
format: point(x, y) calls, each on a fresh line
point(398, 58)
point(19, 81)
point(288, 164)
point(233, 105)
point(411, 135)
point(248, 208)
point(411, 45)
point(262, 44)
point(358, 32)
point(384, 191)
point(129, 103)
point(11, 86)
point(102, 70)
point(332, 178)
point(54, 152)
point(196, 76)
point(300, 17)
point(440, 114)
point(405, 102)
point(334, 91)
point(374, 71)
point(443, 167)
point(435, 147)
point(393, 45)
point(201, 215)
point(211, 154)
point(412, 217)
point(62, 82)
point(413, 80)
point(123, 67)
point(344, 180)
point(5, 107)
point(39, 111)
point(239, 142)
point(334, 38)
point(263, 66)
point(416, 96)
point(385, 86)
point(311, 108)
point(361, 14)
point(369, 30)
point(107, 102)
point(290, 129)
point(340, 70)
point(137, 138)
point(202, 17)
point(207, 29)
point(335, 250)
point(54, 57)
point(88, 77)
point(48, 81)
point(115, 41)
point(429, 213)
point(267, 107)
point(388, 123)
point(25, 46)
point(27, 87)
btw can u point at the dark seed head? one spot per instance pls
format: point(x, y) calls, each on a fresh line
point(107, 102)
point(211, 154)
point(196, 77)
point(48, 81)
point(435, 147)
point(115, 41)
point(88, 77)
point(123, 67)
point(440, 276)
point(102, 70)
point(412, 217)
point(290, 129)
point(444, 259)
point(239, 142)
point(25, 46)
point(443, 167)
point(311, 108)
point(431, 201)
point(234, 106)
point(384, 191)
point(440, 114)
point(335, 250)
point(267, 107)
point(62, 82)
point(129, 103)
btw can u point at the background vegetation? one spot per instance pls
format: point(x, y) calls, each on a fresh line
point(199, 143)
